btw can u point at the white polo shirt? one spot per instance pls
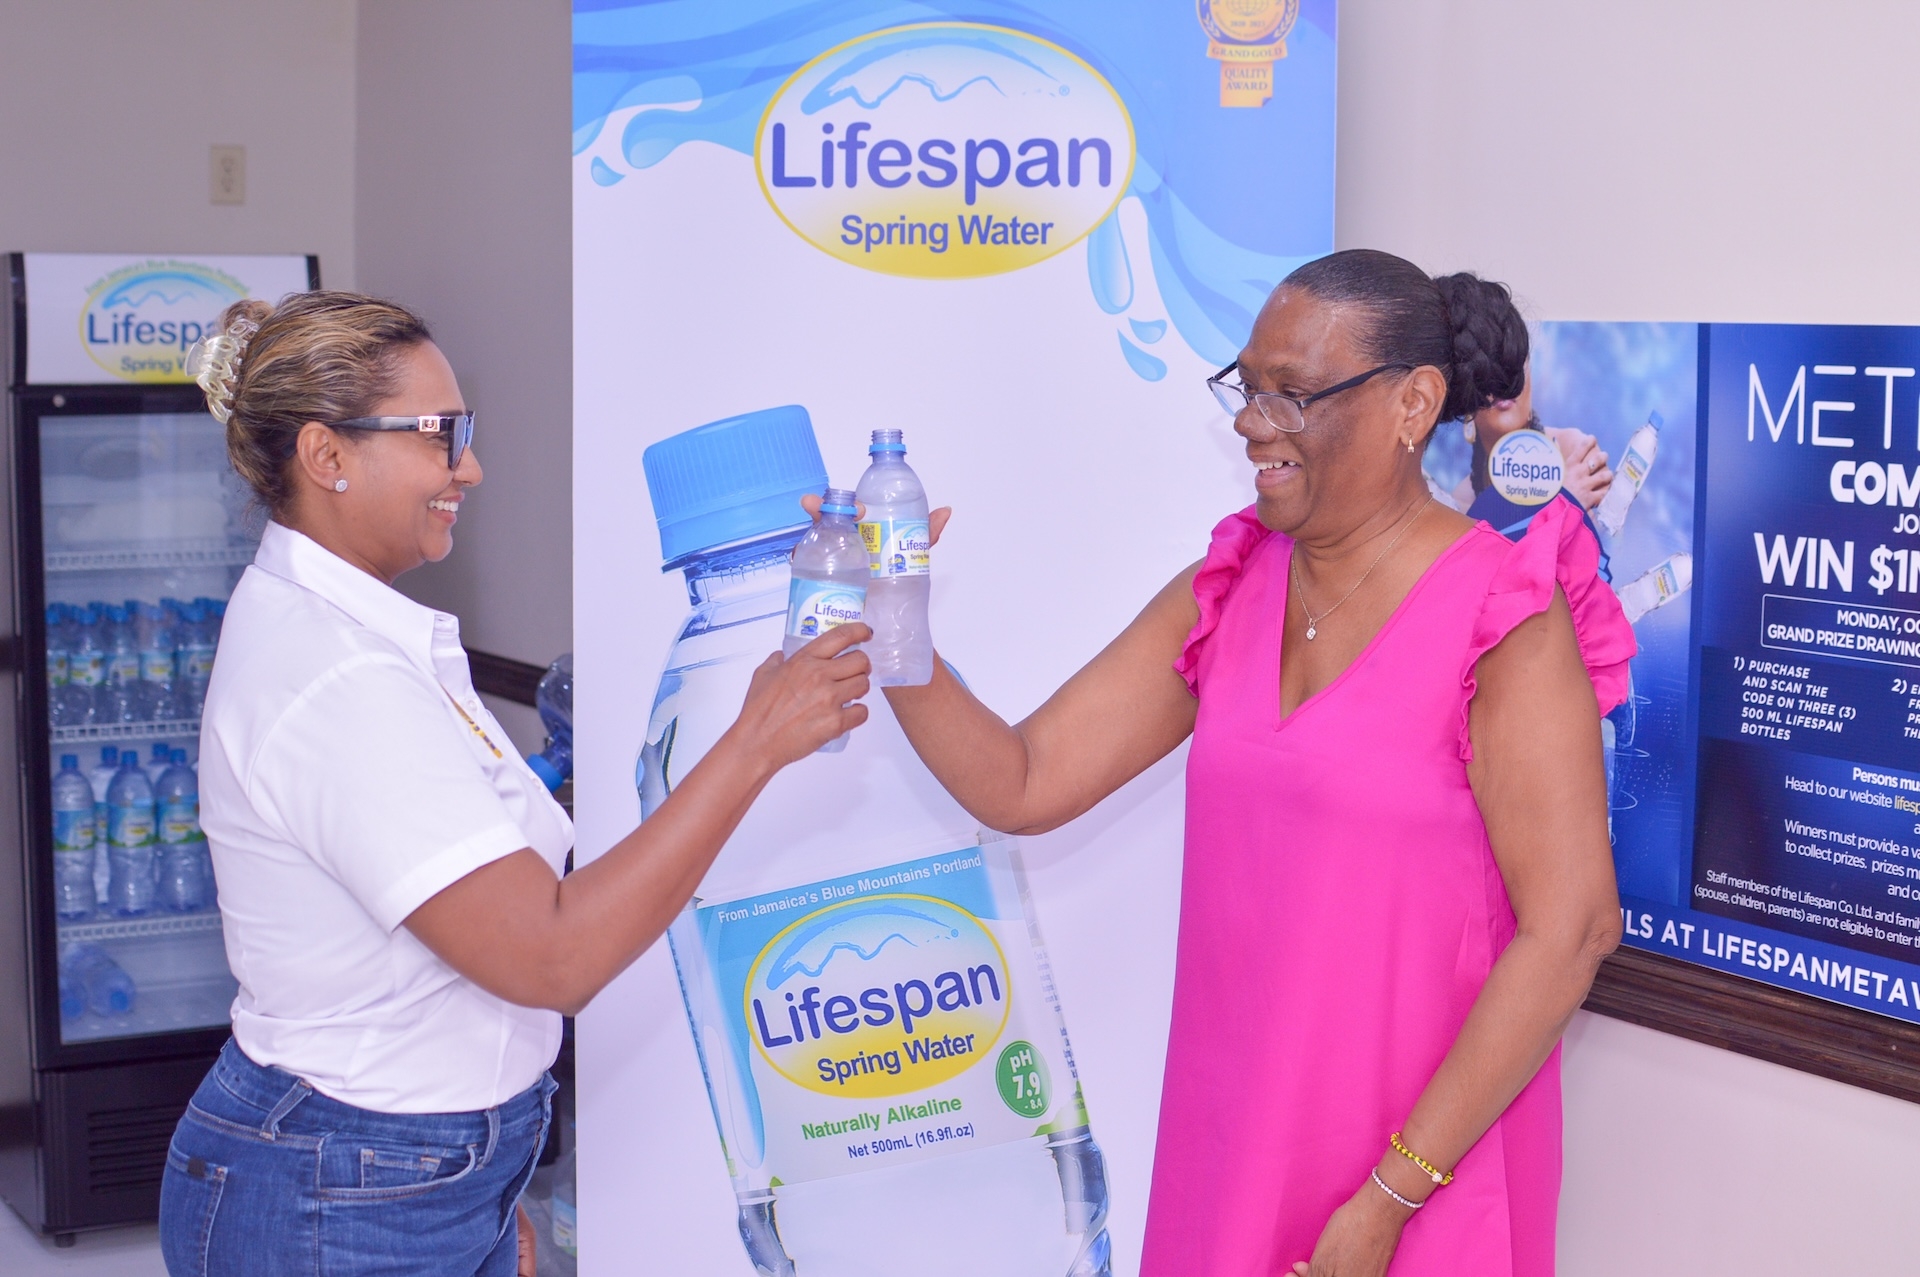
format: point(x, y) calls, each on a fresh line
point(340, 789)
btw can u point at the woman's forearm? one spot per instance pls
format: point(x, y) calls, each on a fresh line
point(979, 758)
point(1529, 997)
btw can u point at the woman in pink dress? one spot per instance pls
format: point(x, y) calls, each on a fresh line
point(1397, 882)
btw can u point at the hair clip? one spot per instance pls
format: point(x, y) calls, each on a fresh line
point(214, 363)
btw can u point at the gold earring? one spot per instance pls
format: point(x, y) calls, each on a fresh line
point(1466, 430)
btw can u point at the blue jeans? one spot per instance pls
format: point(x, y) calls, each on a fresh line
point(268, 1178)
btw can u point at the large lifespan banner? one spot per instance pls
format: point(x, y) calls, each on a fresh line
point(1764, 776)
point(1023, 234)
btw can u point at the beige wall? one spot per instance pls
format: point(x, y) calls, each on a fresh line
point(463, 212)
point(1721, 159)
point(107, 108)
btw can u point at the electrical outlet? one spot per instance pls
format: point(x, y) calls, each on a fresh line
point(229, 174)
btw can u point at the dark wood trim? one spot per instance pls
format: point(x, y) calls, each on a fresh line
point(504, 677)
point(1815, 1036)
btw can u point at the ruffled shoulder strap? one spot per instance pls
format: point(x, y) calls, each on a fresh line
point(1558, 547)
point(1233, 540)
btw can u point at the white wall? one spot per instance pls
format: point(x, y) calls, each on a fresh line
point(464, 214)
point(109, 107)
point(1741, 160)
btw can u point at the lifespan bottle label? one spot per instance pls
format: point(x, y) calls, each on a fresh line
point(885, 1017)
point(898, 547)
point(814, 607)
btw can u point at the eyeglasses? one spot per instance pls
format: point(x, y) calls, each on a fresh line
point(456, 429)
point(1283, 412)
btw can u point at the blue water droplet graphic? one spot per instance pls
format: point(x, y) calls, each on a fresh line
point(1146, 365)
point(1148, 330)
point(603, 174)
point(1107, 267)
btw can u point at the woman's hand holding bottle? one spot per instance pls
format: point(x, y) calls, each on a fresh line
point(795, 704)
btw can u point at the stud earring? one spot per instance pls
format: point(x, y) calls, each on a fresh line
point(339, 485)
point(1466, 430)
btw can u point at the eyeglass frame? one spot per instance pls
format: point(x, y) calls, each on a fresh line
point(1256, 398)
point(457, 425)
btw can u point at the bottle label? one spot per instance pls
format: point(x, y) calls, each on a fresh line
point(180, 821)
point(881, 1018)
point(86, 669)
point(565, 1229)
point(124, 667)
point(156, 665)
point(898, 547)
point(56, 668)
point(73, 830)
point(814, 607)
point(129, 827)
point(196, 664)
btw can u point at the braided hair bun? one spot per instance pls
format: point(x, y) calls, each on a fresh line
point(1465, 326)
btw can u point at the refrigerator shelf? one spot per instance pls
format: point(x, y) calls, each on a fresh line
point(207, 553)
point(109, 732)
point(148, 925)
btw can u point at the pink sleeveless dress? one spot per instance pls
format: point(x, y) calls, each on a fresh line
point(1341, 910)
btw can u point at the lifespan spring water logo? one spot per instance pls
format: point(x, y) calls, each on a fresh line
point(878, 996)
point(945, 150)
point(138, 321)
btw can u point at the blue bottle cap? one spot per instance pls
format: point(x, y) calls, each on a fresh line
point(543, 767)
point(69, 762)
point(178, 758)
point(732, 480)
point(109, 755)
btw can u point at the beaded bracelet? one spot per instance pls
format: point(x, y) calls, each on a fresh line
point(1438, 1176)
point(1407, 1202)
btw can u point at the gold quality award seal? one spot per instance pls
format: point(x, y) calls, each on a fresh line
point(1247, 37)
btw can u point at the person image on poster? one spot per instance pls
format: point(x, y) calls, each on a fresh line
point(1397, 883)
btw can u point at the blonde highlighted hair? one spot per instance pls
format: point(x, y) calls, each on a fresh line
point(323, 356)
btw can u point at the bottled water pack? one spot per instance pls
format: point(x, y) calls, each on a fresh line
point(864, 978)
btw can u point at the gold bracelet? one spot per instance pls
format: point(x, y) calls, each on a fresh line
point(1438, 1176)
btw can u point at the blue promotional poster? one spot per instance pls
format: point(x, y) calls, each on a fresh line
point(1762, 782)
point(1021, 235)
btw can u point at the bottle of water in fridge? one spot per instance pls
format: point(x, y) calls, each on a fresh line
point(73, 893)
point(875, 1099)
point(130, 887)
point(184, 882)
point(100, 777)
point(102, 985)
point(828, 588)
point(900, 558)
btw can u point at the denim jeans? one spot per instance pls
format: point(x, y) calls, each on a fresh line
point(267, 1177)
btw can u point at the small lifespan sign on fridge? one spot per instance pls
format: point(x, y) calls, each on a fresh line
point(113, 317)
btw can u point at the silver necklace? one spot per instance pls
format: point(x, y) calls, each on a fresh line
point(1293, 567)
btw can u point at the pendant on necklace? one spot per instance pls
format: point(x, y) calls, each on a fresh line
point(1310, 632)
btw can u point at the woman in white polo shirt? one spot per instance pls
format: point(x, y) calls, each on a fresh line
point(389, 868)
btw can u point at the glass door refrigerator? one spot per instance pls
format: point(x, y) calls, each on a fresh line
point(127, 531)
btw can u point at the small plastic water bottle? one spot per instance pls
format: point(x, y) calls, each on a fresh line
point(130, 886)
point(830, 581)
point(1630, 475)
point(183, 860)
point(56, 647)
point(68, 703)
point(196, 657)
point(100, 776)
point(554, 699)
point(900, 562)
point(101, 984)
point(73, 892)
point(155, 643)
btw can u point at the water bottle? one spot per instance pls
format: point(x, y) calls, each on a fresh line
point(157, 763)
point(68, 704)
point(73, 894)
point(87, 657)
point(184, 880)
point(97, 981)
point(196, 641)
point(1658, 586)
point(99, 777)
point(794, 929)
point(895, 530)
point(829, 580)
point(56, 647)
point(130, 838)
point(1629, 475)
point(156, 660)
point(554, 698)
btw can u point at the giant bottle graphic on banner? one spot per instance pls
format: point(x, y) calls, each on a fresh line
point(870, 998)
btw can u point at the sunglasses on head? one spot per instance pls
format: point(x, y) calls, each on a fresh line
point(455, 428)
